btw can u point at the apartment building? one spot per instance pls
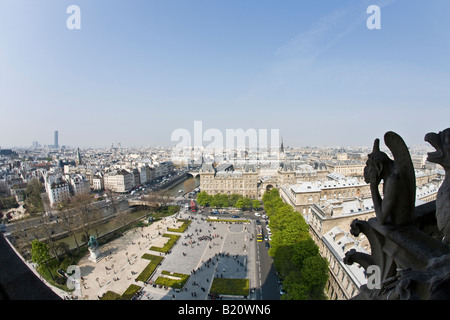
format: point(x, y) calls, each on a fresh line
point(225, 179)
point(79, 185)
point(58, 191)
point(302, 195)
point(119, 181)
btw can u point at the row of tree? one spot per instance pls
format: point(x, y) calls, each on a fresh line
point(303, 271)
point(221, 200)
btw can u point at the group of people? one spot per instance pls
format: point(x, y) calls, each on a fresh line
point(193, 236)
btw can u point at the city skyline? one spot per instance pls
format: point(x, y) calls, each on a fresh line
point(208, 149)
point(135, 72)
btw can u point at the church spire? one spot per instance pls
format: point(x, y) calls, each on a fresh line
point(79, 162)
point(281, 154)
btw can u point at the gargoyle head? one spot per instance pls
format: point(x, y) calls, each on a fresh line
point(441, 142)
point(375, 163)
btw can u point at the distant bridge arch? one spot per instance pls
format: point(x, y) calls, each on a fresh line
point(193, 173)
point(135, 203)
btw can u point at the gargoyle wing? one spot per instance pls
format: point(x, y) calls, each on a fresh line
point(402, 158)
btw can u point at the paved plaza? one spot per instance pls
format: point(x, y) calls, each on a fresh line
point(204, 250)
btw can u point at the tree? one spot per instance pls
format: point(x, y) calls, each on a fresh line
point(203, 199)
point(122, 218)
point(33, 199)
point(256, 204)
point(282, 261)
point(272, 201)
point(224, 201)
point(239, 203)
point(303, 250)
point(216, 201)
point(8, 203)
point(296, 256)
point(82, 206)
point(314, 276)
point(110, 196)
point(233, 198)
point(46, 226)
point(69, 223)
point(153, 200)
point(63, 247)
point(247, 202)
point(243, 202)
point(295, 289)
point(40, 254)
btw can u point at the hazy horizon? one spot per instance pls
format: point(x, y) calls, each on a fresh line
point(137, 71)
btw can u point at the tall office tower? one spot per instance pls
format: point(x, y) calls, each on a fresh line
point(56, 139)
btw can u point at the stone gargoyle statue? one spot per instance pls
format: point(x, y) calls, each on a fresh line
point(441, 142)
point(409, 243)
point(399, 184)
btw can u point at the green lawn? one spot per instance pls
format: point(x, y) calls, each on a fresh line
point(127, 295)
point(150, 268)
point(234, 287)
point(172, 279)
point(182, 228)
point(169, 244)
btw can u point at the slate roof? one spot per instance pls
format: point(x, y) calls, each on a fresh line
point(17, 281)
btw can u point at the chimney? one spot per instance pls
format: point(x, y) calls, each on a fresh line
point(337, 210)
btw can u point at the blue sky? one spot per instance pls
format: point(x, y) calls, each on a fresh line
point(138, 70)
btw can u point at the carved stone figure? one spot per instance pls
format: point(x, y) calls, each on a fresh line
point(405, 240)
point(441, 142)
point(399, 184)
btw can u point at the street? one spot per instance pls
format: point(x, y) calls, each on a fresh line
point(266, 279)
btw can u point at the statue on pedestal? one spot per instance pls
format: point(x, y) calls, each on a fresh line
point(94, 249)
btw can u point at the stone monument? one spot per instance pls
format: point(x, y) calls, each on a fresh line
point(409, 244)
point(94, 249)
